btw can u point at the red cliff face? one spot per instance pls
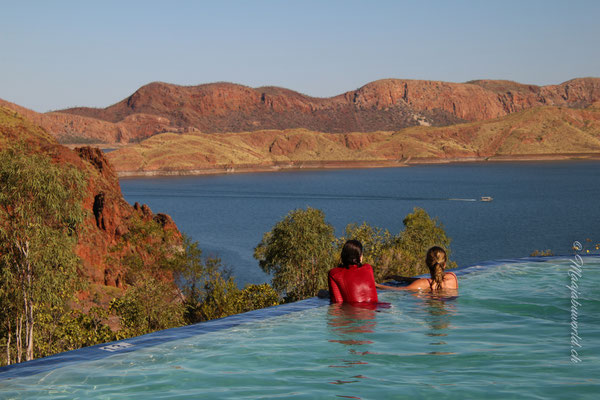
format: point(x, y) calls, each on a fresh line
point(463, 101)
point(515, 97)
point(109, 220)
point(386, 105)
point(103, 239)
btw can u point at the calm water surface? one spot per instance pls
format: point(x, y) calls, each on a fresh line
point(536, 206)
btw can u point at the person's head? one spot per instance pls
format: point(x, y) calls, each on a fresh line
point(436, 262)
point(351, 253)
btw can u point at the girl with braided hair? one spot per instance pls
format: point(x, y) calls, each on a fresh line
point(440, 279)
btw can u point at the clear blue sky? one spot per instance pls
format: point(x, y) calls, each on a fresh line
point(57, 54)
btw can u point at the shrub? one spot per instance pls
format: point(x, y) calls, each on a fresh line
point(298, 251)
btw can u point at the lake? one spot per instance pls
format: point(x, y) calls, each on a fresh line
point(536, 206)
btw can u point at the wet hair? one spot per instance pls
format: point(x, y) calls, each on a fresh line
point(436, 262)
point(351, 253)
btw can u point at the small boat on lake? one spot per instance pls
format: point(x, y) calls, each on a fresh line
point(486, 198)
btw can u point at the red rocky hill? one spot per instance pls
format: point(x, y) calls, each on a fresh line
point(384, 105)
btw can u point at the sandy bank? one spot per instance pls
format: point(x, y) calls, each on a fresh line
point(320, 165)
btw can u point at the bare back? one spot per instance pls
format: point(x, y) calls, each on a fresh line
point(450, 282)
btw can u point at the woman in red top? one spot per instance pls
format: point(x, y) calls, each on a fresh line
point(352, 281)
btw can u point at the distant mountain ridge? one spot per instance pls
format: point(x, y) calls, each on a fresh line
point(383, 105)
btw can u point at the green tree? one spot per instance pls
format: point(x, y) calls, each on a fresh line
point(219, 296)
point(206, 287)
point(153, 261)
point(40, 211)
point(254, 297)
point(61, 329)
point(209, 291)
point(407, 255)
point(298, 251)
point(375, 241)
point(148, 306)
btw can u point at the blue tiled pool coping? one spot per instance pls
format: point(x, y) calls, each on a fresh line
point(155, 338)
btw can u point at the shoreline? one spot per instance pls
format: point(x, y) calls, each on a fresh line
point(324, 165)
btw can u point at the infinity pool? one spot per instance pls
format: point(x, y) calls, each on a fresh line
point(507, 333)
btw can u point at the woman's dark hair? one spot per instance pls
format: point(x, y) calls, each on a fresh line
point(436, 262)
point(351, 253)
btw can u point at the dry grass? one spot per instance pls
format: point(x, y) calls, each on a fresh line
point(542, 130)
point(14, 129)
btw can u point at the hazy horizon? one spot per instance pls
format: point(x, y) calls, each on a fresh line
point(66, 54)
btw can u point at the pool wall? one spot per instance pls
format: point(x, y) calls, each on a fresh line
point(155, 338)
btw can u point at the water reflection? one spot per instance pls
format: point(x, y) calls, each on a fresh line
point(351, 322)
point(352, 326)
point(439, 308)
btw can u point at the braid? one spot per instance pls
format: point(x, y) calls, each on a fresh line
point(436, 261)
point(437, 276)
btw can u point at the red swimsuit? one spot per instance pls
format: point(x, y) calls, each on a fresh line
point(352, 285)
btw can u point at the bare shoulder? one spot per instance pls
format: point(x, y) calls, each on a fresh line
point(416, 285)
point(421, 283)
point(450, 280)
point(450, 275)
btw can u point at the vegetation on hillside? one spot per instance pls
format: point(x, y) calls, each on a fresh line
point(13, 125)
point(40, 213)
point(40, 216)
point(164, 281)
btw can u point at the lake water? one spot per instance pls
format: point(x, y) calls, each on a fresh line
point(536, 206)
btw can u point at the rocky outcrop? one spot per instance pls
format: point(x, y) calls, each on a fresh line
point(104, 240)
point(110, 220)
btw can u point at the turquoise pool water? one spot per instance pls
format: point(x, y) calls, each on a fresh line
point(507, 333)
